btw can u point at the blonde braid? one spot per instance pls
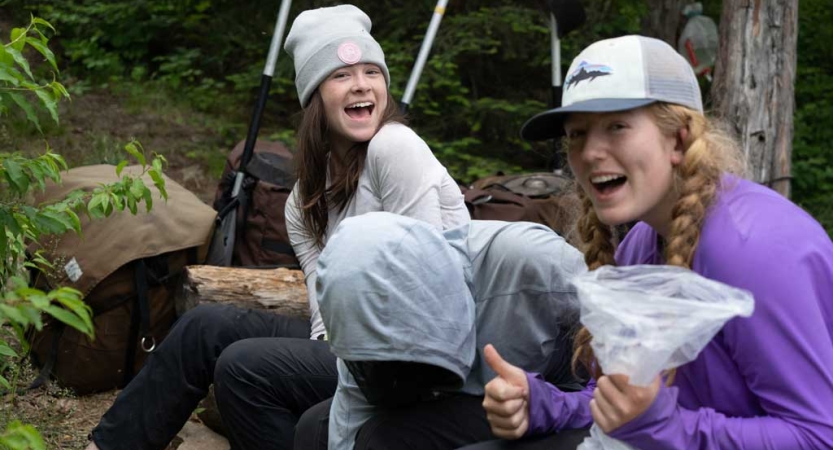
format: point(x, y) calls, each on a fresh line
point(598, 251)
point(699, 181)
point(596, 237)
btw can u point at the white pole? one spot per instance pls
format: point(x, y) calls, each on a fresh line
point(439, 10)
point(277, 38)
point(555, 52)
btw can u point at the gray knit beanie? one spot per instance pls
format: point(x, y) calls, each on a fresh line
point(325, 39)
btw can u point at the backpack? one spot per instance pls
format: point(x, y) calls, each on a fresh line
point(261, 236)
point(544, 198)
point(128, 269)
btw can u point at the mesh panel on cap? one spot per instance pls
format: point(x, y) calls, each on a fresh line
point(669, 76)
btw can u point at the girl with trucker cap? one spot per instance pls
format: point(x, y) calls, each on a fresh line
point(642, 150)
point(355, 155)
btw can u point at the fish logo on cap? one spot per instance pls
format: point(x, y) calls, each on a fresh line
point(587, 71)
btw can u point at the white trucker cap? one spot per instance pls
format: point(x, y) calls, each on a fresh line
point(617, 75)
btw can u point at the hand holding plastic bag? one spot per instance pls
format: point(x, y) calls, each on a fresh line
point(646, 319)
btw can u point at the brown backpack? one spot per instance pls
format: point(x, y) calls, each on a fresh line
point(261, 239)
point(127, 268)
point(544, 198)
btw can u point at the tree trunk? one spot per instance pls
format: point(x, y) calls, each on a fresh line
point(663, 20)
point(753, 88)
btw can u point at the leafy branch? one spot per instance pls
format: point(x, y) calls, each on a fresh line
point(16, 74)
point(24, 226)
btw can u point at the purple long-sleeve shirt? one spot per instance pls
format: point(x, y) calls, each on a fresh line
point(764, 382)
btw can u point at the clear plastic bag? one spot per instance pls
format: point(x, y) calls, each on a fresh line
point(646, 319)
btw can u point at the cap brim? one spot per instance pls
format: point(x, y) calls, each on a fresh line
point(550, 124)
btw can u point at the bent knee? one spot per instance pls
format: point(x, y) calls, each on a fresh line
point(236, 361)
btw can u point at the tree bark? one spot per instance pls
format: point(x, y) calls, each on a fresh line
point(753, 88)
point(663, 20)
point(281, 291)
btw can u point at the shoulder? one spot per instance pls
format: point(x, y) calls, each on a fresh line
point(395, 138)
point(756, 239)
point(750, 220)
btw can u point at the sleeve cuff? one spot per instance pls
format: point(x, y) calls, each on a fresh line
point(643, 426)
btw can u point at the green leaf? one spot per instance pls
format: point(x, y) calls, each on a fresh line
point(117, 202)
point(71, 299)
point(8, 220)
point(13, 314)
point(159, 182)
point(20, 60)
point(5, 350)
point(76, 222)
point(37, 174)
point(17, 38)
point(96, 202)
point(51, 225)
point(39, 300)
point(6, 76)
point(61, 217)
point(44, 50)
point(34, 315)
point(68, 318)
point(49, 102)
point(14, 171)
point(22, 437)
point(120, 167)
point(39, 21)
point(27, 108)
point(133, 150)
point(59, 90)
point(5, 383)
point(148, 199)
point(137, 188)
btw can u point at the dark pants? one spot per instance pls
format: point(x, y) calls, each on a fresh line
point(447, 423)
point(265, 369)
point(566, 440)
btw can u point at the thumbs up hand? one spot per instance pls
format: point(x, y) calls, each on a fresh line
point(507, 397)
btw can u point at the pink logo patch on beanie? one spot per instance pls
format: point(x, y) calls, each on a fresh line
point(349, 53)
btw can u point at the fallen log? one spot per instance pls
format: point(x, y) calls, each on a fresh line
point(281, 291)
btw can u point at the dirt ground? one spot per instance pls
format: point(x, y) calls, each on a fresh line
point(94, 126)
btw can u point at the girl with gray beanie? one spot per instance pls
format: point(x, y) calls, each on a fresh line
point(355, 155)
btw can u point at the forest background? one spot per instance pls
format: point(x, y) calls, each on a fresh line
point(489, 70)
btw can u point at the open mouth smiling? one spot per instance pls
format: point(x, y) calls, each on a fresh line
point(360, 110)
point(607, 183)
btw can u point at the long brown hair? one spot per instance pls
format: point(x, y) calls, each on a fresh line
point(311, 166)
point(709, 152)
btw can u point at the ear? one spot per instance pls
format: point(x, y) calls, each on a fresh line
point(681, 138)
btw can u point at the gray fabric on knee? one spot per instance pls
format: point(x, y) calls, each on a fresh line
point(390, 288)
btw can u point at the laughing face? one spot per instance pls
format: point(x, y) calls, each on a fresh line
point(624, 163)
point(354, 99)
